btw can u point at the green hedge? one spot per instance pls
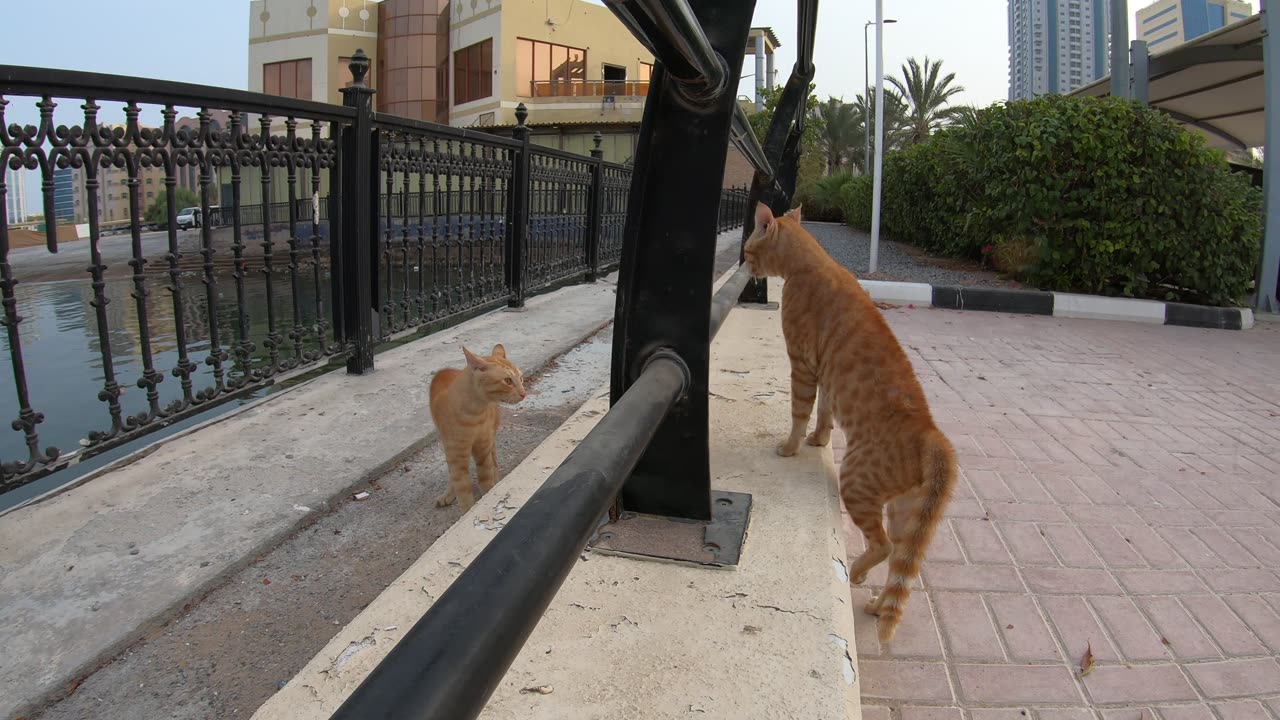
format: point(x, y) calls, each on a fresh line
point(824, 201)
point(1102, 196)
point(855, 202)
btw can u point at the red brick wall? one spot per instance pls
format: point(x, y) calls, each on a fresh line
point(737, 169)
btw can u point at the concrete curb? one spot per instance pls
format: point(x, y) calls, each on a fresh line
point(1055, 304)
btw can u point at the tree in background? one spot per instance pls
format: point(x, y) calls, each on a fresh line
point(812, 158)
point(926, 92)
point(896, 131)
point(158, 213)
point(841, 132)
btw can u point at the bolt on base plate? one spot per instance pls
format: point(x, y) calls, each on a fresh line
point(714, 543)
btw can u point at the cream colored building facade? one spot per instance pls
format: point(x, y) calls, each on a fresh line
point(1166, 24)
point(470, 63)
point(301, 48)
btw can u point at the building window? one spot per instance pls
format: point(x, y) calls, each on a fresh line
point(549, 70)
point(473, 72)
point(291, 79)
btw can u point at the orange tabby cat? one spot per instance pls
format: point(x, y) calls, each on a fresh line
point(838, 340)
point(464, 407)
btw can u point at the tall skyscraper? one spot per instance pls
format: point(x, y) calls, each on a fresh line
point(1165, 24)
point(15, 197)
point(1056, 46)
point(64, 195)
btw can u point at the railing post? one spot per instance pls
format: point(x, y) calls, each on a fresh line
point(595, 208)
point(359, 222)
point(518, 220)
point(668, 255)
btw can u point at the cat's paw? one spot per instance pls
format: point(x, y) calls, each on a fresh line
point(858, 579)
point(818, 439)
point(445, 500)
point(786, 449)
point(871, 608)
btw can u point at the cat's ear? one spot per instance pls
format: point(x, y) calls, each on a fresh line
point(474, 361)
point(794, 213)
point(499, 351)
point(764, 216)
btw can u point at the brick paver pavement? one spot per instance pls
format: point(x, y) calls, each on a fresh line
point(1120, 492)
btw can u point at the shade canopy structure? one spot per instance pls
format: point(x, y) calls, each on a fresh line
point(1213, 84)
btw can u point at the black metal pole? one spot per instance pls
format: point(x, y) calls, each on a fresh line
point(595, 208)
point(726, 297)
point(668, 255)
point(671, 29)
point(518, 222)
point(450, 661)
point(359, 193)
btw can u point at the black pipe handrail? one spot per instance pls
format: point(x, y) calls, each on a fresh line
point(726, 297)
point(670, 30)
point(443, 668)
point(744, 138)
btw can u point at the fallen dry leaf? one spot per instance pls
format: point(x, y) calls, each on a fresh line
point(537, 690)
point(1086, 663)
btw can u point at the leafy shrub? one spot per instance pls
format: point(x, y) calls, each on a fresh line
point(855, 202)
point(1098, 196)
point(823, 202)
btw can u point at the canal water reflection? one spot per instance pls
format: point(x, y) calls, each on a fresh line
point(63, 352)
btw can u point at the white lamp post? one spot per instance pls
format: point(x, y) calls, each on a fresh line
point(877, 180)
point(866, 104)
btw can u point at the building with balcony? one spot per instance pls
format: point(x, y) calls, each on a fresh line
point(1168, 23)
point(470, 64)
point(1057, 46)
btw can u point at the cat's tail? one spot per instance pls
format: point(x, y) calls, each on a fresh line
point(938, 470)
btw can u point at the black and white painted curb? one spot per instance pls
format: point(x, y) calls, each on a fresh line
point(1068, 305)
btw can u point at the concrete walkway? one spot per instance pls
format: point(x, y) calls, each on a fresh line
point(1120, 496)
point(641, 639)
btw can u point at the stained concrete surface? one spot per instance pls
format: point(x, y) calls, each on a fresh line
point(306, 576)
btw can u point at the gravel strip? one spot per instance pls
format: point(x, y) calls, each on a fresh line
point(852, 248)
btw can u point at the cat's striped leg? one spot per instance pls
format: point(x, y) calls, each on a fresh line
point(821, 434)
point(804, 390)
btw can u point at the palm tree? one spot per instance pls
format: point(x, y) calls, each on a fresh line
point(927, 93)
point(841, 131)
point(964, 115)
point(896, 131)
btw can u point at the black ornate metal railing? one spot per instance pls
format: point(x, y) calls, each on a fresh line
point(325, 231)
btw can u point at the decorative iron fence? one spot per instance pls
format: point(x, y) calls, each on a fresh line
point(326, 231)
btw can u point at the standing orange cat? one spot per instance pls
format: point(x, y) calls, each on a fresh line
point(838, 340)
point(464, 407)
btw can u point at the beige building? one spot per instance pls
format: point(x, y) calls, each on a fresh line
point(471, 63)
point(301, 48)
point(113, 182)
point(1168, 23)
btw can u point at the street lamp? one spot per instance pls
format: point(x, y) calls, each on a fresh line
point(866, 105)
point(876, 179)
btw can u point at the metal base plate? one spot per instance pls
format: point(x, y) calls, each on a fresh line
point(758, 306)
point(717, 543)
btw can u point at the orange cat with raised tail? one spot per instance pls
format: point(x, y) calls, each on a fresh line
point(464, 407)
point(838, 341)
